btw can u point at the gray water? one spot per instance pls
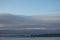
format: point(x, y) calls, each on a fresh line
point(41, 38)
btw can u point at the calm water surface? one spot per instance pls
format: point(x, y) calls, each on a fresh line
point(41, 38)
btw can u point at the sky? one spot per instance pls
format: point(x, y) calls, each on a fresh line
point(30, 7)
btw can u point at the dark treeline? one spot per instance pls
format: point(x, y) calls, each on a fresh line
point(46, 35)
point(41, 35)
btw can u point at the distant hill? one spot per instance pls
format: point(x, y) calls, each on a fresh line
point(9, 20)
point(15, 19)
